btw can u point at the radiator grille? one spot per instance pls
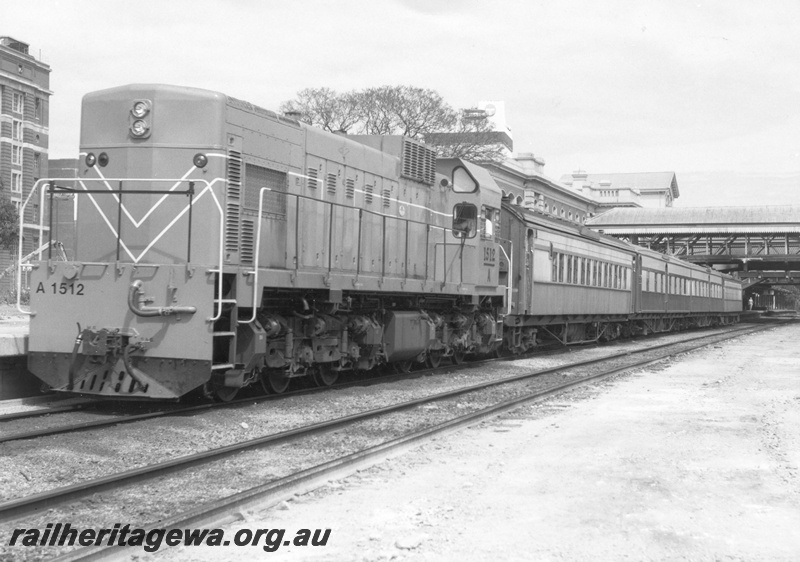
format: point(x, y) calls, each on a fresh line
point(330, 184)
point(255, 178)
point(387, 198)
point(350, 188)
point(311, 181)
point(368, 194)
point(233, 201)
point(419, 162)
point(247, 241)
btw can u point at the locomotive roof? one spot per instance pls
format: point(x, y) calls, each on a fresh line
point(187, 91)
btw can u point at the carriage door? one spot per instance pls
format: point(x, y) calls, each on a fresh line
point(529, 241)
point(638, 275)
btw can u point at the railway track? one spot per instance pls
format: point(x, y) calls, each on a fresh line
point(289, 484)
point(124, 418)
point(10, 409)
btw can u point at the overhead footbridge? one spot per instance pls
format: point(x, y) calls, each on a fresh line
point(760, 245)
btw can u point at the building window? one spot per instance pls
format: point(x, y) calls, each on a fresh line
point(37, 109)
point(16, 154)
point(16, 182)
point(16, 130)
point(37, 162)
point(17, 102)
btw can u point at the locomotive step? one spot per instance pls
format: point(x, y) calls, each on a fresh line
point(222, 366)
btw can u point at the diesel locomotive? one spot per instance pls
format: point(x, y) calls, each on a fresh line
point(220, 245)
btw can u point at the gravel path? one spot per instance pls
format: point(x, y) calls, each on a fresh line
point(696, 459)
point(26, 467)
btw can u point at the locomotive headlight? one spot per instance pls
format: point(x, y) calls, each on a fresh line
point(103, 159)
point(140, 128)
point(140, 108)
point(200, 160)
point(90, 159)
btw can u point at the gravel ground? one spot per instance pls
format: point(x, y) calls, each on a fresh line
point(696, 459)
point(27, 467)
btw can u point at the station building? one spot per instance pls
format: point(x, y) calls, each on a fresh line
point(24, 139)
point(580, 196)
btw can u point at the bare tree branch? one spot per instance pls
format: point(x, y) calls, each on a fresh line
point(400, 110)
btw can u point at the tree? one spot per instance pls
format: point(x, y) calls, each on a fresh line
point(405, 110)
point(324, 108)
point(473, 138)
point(414, 112)
point(9, 224)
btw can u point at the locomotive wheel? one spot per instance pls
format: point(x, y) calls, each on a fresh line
point(323, 375)
point(402, 366)
point(274, 381)
point(500, 352)
point(435, 358)
point(225, 393)
point(458, 357)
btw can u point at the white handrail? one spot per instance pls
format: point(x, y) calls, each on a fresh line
point(21, 228)
point(40, 182)
point(258, 253)
point(509, 288)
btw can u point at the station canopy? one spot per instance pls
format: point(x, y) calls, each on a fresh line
point(698, 220)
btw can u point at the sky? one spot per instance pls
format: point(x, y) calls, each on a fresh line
point(708, 90)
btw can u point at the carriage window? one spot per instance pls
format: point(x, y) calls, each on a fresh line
point(463, 182)
point(465, 220)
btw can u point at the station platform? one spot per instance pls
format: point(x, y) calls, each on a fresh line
point(15, 381)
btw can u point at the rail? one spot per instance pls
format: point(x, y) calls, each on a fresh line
point(27, 505)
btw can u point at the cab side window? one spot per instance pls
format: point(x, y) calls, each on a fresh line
point(463, 182)
point(465, 220)
point(490, 219)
